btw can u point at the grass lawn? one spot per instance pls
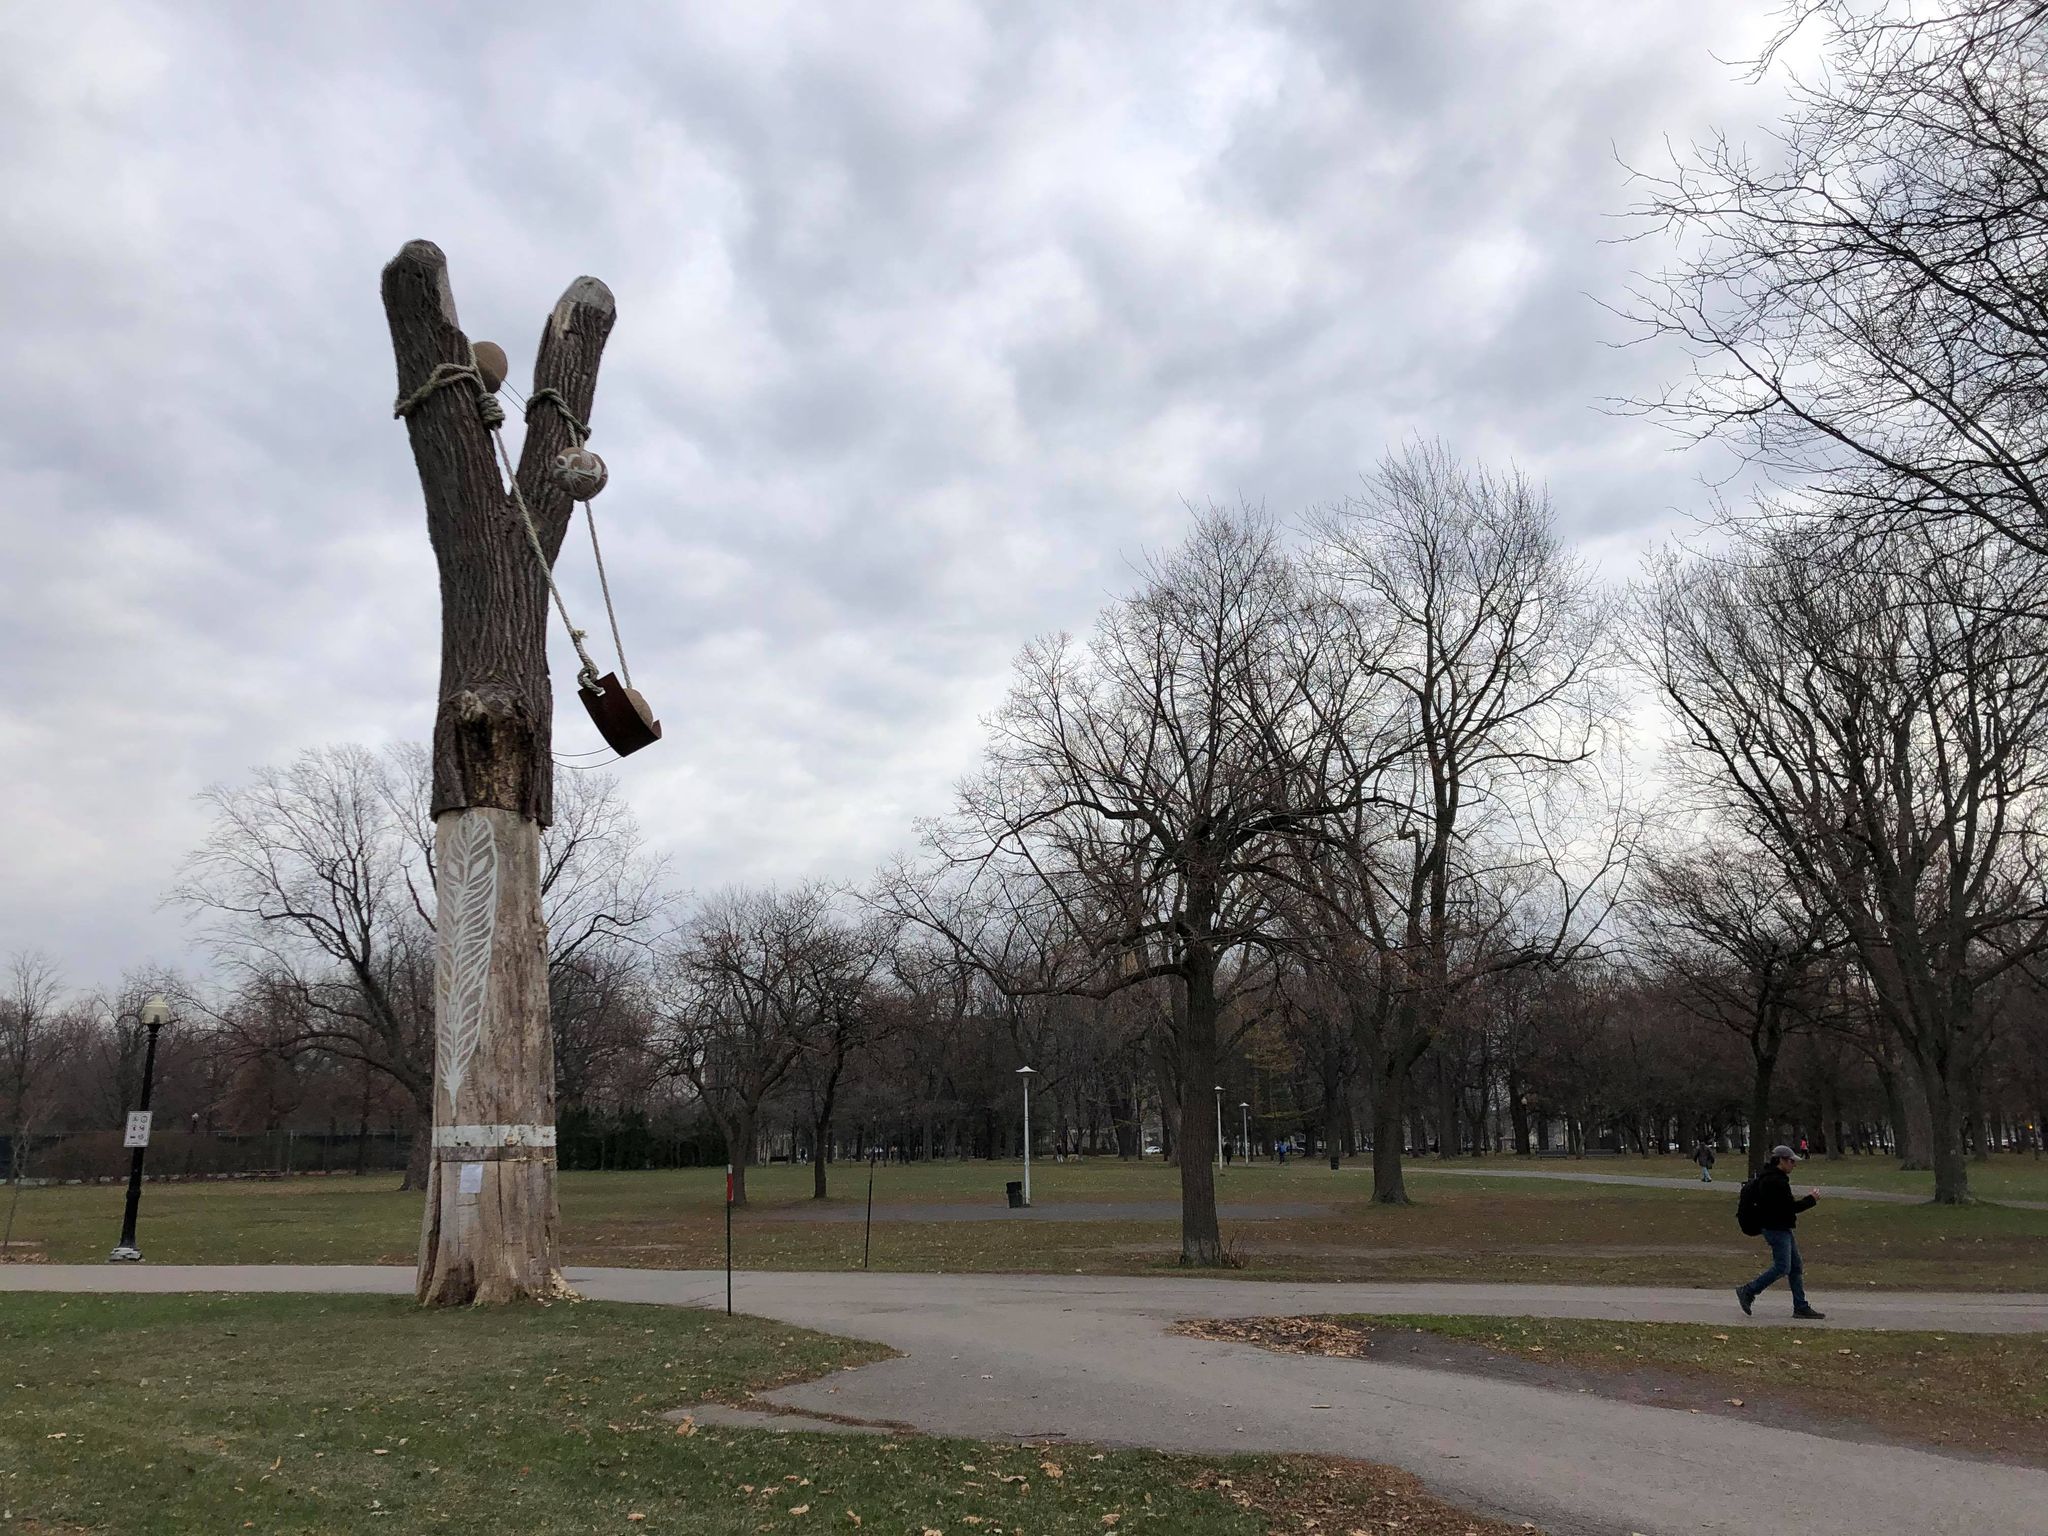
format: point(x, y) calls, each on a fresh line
point(2008, 1176)
point(1461, 1228)
point(346, 1415)
point(1986, 1393)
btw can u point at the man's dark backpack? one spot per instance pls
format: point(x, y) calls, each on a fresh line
point(1747, 1216)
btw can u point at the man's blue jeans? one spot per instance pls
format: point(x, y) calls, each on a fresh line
point(1784, 1262)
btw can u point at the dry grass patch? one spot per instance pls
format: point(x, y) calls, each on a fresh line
point(1983, 1394)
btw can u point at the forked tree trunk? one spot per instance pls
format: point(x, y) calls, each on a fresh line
point(488, 1231)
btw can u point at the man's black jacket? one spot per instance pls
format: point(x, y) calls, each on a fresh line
point(1776, 1210)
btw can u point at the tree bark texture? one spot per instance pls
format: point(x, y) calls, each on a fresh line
point(488, 1232)
point(1389, 1114)
point(1762, 1135)
point(1201, 1239)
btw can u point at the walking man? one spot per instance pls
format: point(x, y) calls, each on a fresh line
point(1770, 1206)
point(1703, 1154)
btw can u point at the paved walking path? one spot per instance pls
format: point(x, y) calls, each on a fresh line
point(1725, 1186)
point(1029, 1356)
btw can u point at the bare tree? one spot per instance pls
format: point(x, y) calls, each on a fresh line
point(312, 887)
point(1489, 841)
point(1126, 828)
point(317, 881)
point(1864, 296)
point(1729, 924)
point(1885, 727)
point(851, 1013)
point(746, 988)
point(35, 1036)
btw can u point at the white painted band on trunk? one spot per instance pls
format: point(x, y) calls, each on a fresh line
point(494, 1135)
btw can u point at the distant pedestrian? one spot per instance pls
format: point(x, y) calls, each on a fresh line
point(1766, 1208)
point(1703, 1154)
point(1226, 1154)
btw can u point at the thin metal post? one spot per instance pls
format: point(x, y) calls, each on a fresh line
point(1027, 1143)
point(126, 1248)
point(867, 1234)
point(728, 1239)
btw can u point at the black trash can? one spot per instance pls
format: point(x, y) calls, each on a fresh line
point(1015, 1188)
point(1335, 1162)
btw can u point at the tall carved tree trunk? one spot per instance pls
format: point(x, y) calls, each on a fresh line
point(488, 1232)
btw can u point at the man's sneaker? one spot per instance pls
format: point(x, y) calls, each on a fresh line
point(1806, 1314)
point(1742, 1295)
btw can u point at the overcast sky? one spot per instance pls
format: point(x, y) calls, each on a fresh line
point(932, 319)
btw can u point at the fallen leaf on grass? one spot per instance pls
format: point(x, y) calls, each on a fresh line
point(1734, 1402)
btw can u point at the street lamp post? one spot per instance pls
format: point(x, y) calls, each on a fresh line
point(1219, 1125)
point(1026, 1074)
point(1244, 1117)
point(154, 1014)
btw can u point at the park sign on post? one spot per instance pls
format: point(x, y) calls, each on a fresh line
point(137, 1134)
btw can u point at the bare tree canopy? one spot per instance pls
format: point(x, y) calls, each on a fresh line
point(1884, 727)
point(1864, 295)
point(1137, 797)
point(316, 884)
point(1488, 840)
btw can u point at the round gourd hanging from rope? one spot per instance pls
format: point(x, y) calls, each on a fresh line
point(579, 472)
point(618, 710)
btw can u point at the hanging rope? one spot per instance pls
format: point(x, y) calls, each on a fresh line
point(588, 675)
point(578, 431)
point(493, 414)
point(605, 586)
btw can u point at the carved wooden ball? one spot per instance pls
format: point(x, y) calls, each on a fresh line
point(579, 472)
point(490, 362)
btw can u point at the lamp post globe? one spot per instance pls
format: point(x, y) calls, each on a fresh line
point(153, 1015)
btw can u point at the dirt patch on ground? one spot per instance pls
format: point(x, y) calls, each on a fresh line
point(1324, 1496)
point(1872, 1422)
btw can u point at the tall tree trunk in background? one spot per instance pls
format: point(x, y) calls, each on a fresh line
point(488, 1231)
point(1945, 1142)
point(1389, 1119)
point(1201, 1239)
point(1762, 1136)
point(1915, 1127)
point(1518, 1110)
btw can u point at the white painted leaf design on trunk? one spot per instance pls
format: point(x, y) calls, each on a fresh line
point(468, 915)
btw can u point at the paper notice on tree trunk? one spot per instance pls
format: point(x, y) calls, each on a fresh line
point(471, 1181)
point(137, 1134)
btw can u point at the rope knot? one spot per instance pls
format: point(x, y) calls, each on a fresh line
point(443, 375)
point(492, 410)
point(578, 429)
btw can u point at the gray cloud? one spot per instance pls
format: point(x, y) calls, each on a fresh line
point(932, 319)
